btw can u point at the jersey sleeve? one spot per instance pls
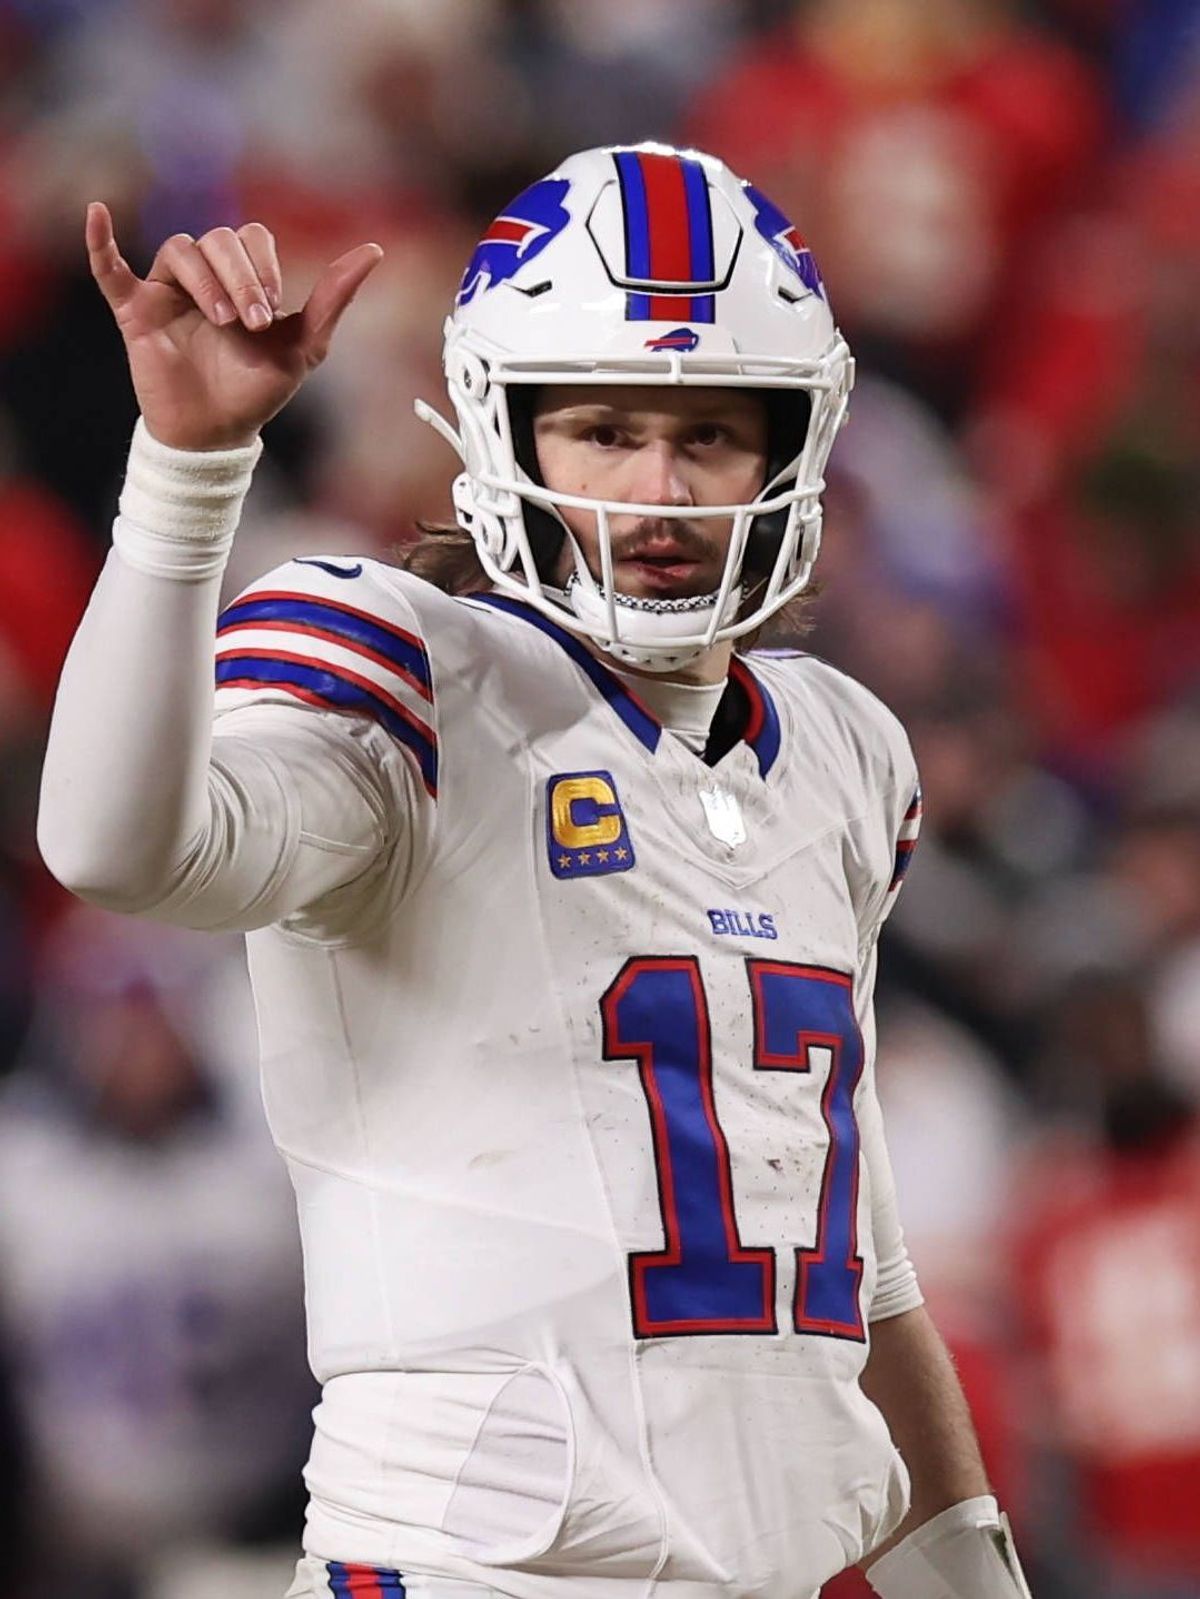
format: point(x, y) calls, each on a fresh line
point(305, 818)
point(324, 687)
point(896, 1286)
point(882, 840)
point(905, 831)
point(882, 845)
point(331, 636)
point(313, 779)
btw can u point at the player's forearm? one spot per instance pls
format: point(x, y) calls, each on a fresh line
point(124, 786)
point(910, 1376)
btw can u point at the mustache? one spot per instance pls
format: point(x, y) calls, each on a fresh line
point(685, 537)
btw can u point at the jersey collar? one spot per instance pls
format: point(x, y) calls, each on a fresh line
point(761, 731)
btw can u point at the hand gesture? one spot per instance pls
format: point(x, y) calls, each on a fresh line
point(210, 357)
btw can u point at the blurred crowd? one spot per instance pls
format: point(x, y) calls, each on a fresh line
point(1005, 202)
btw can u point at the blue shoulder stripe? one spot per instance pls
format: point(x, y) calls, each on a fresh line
point(404, 650)
point(324, 686)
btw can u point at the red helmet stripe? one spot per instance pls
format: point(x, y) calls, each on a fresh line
point(670, 308)
point(666, 204)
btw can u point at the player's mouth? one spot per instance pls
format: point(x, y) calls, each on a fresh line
point(663, 566)
point(660, 572)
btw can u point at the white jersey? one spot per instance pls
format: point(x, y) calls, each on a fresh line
point(572, 1070)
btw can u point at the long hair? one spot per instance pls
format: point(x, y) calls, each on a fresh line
point(445, 556)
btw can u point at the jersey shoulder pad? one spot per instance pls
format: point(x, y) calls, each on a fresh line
point(337, 634)
point(872, 740)
point(851, 714)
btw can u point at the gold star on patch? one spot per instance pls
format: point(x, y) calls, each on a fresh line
point(564, 861)
point(584, 858)
point(621, 854)
point(601, 854)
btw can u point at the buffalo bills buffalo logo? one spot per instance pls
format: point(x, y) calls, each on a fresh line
point(523, 230)
point(785, 240)
point(677, 339)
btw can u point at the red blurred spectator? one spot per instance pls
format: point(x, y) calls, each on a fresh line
point(1088, 435)
point(47, 568)
point(1108, 1269)
point(919, 146)
point(22, 270)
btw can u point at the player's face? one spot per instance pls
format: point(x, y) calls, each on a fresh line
point(670, 447)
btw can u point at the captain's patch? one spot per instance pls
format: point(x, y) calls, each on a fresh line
point(586, 832)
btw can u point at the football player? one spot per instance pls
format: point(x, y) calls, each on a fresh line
point(562, 911)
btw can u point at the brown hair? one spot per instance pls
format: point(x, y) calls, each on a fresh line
point(445, 556)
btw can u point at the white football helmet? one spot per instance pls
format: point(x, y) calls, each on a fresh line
point(642, 265)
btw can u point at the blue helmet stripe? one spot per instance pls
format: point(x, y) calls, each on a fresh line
point(700, 235)
point(637, 214)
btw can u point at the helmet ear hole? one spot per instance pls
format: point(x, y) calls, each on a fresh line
point(469, 372)
point(486, 530)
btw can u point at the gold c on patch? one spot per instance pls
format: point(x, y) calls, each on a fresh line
point(586, 833)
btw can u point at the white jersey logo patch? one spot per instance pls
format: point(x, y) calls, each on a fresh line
point(724, 816)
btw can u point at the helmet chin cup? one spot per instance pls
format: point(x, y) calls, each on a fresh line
point(559, 291)
point(655, 635)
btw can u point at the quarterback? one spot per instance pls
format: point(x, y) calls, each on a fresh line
point(562, 906)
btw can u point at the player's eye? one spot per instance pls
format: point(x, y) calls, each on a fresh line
point(605, 434)
point(706, 434)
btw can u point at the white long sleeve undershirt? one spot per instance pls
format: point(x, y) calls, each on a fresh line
point(142, 809)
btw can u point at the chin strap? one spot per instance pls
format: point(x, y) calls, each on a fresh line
point(966, 1552)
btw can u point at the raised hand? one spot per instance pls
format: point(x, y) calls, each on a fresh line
point(210, 359)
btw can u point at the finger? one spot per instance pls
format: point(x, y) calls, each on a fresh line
point(117, 282)
point(333, 292)
point(181, 264)
point(259, 243)
point(232, 266)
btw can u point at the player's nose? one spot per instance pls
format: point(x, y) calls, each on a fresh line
point(658, 477)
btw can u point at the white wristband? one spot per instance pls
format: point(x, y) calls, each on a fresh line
point(179, 509)
point(966, 1552)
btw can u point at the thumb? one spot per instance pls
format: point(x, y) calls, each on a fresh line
point(332, 293)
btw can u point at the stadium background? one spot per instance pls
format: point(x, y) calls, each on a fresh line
point(1005, 201)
